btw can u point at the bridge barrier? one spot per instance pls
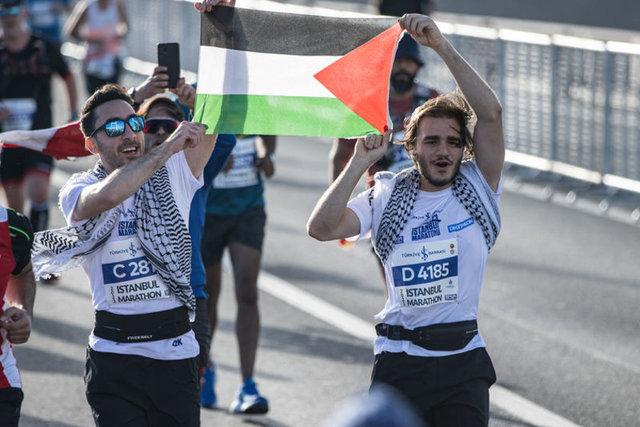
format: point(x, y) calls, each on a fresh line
point(571, 105)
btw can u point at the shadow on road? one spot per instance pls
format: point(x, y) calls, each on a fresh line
point(36, 360)
point(307, 342)
point(295, 273)
point(61, 330)
point(310, 343)
point(560, 274)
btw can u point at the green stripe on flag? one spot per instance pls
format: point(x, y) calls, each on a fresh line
point(279, 115)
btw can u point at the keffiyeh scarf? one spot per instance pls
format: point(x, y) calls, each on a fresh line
point(477, 202)
point(162, 231)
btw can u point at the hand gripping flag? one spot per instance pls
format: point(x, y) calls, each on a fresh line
point(271, 73)
point(64, 142)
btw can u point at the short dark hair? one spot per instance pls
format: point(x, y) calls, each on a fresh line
point(450, 106)
point(175, 112)
point(108, 92)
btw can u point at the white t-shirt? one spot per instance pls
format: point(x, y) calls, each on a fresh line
point(434, 272)
point(121, 277)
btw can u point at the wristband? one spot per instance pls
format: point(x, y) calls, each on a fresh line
point(132, 94)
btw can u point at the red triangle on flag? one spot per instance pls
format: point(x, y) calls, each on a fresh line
point(360, 79)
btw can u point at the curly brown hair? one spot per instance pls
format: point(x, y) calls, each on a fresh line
point(450, 106)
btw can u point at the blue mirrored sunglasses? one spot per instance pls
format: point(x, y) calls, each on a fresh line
point(116, 127)
point(10, 11)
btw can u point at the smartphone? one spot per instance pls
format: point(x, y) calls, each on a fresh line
point(169, 56)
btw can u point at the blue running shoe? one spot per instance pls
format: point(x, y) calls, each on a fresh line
point(208, 396)
point(248, 400)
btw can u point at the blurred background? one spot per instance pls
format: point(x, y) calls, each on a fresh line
point(559, 306)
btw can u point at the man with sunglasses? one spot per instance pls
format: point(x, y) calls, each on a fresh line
point(27, 64)
point(128, 229)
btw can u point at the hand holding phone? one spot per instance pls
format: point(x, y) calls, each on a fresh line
point(169, 56)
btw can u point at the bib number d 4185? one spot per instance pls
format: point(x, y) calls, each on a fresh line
point(425, 274)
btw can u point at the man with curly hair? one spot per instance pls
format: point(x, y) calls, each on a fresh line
point(432, 226)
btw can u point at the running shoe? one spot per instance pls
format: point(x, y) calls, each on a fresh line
point(50, 279)
point(248, 400)
point(208, 398)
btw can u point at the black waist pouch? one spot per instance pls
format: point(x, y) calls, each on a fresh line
point(142, 327)
point(439, 337)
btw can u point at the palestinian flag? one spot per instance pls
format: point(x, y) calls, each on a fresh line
point(65, 142)
point(270, 73)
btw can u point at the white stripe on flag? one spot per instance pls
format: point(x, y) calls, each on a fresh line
point(256, 73)
point(34, 140)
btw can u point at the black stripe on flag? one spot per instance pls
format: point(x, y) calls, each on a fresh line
point(287, 33)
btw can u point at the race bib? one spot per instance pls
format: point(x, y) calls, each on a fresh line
point(21, 113)
point(128, 274)
point(243, 173)
point(42, 14)
point(103, 66)
point(426, 274)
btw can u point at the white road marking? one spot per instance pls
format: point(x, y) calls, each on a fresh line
point(502, 398)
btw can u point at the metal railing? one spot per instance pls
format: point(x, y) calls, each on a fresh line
point(571, 105)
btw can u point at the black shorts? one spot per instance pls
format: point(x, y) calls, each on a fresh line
point(139, 391)
point(200, 328)
point(450, 390)
point(246, 228)
point(10, 403)
point(17, 162)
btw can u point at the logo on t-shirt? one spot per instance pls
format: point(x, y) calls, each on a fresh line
point(461, 225)
point(127, 228)
point(132, 249)
point(429, 228)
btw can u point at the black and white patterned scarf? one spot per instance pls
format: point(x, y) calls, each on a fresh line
point(398, 209)
point(162, 231)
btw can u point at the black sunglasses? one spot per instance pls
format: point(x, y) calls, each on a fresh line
point(166, 124)
point(116, 127)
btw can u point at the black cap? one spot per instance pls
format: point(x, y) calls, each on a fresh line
point(408, 48)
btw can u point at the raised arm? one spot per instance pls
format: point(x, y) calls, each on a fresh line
point(207, 5)
point(76, 20)
point(331, 219)
point(339, 156)
point(126, 180)
point(488, 137)
point(198, 155)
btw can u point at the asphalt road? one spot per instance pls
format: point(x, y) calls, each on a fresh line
point(558, 311)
